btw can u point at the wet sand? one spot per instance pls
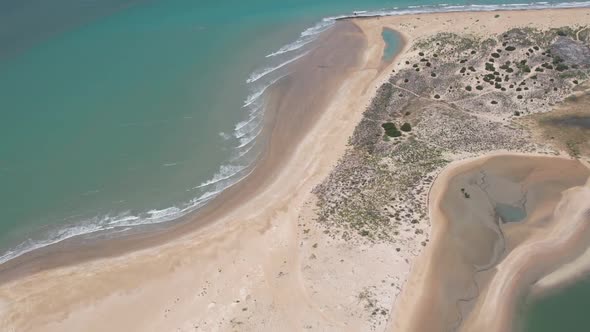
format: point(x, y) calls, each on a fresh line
point(481, 263)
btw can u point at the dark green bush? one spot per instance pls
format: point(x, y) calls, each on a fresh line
point(406, 127)
point(391, 129)
point(561, 67)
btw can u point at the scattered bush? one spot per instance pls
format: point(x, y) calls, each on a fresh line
point(561, 67)
point(406, 127)
point(495, 55)
point(436, 96)
point(510, 48)
point(391, 129)
point(468, 88)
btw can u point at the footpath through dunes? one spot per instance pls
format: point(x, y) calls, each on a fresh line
point(499, 223)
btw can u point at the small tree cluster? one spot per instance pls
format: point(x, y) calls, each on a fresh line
point(391, 130)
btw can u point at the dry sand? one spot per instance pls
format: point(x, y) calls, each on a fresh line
point(261, 263)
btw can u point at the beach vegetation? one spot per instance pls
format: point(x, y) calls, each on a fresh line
point(497, 15)
point(561, 67)
point(391, 130)
point(406, 127)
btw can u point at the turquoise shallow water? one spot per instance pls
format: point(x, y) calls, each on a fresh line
point(122, 113)
point(392, 44)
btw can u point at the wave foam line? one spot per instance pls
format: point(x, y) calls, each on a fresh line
point(247, 140)
point(446, 8)
point(108, 223)
point(225, 172)
point(250, 127)
point(261, 73)
point(254, 96)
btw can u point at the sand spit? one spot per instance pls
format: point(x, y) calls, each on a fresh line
point(480, 259)
point(273, 256)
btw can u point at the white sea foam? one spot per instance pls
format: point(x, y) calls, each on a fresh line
point(225, 172)
point(249, 139)
point(255, 76)
point(258, 93)
point(225, 177)
point(225, 136)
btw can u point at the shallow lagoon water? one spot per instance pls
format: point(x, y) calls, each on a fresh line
point(510, 213)
point(392, 44)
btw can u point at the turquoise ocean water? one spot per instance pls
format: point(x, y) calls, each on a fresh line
point(117, 114)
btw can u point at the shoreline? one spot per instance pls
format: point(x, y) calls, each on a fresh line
point(149, 230)
point(153, 234)
point(366, 72)
point(278, 143)
point(256, 250)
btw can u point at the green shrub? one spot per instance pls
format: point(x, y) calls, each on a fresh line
point(391, 129)
point(561, 67)
point(406, 127)
point(510, 48)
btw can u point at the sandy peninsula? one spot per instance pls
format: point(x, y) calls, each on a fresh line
point(329, 233)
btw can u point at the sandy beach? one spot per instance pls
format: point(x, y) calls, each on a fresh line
point(257, 259)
